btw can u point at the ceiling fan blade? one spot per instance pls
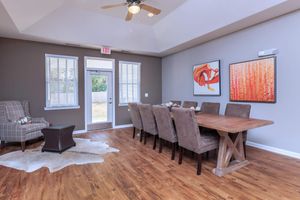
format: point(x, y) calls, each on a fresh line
point(151, 9)
point(129, 16)
point(114, 5)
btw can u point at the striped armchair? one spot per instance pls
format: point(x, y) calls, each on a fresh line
point(11, 130)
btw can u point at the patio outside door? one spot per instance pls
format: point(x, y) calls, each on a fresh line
point(100, 102)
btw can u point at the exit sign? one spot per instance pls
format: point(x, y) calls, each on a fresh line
point(105, 50)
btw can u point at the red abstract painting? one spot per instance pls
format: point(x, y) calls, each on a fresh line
point(253, 81)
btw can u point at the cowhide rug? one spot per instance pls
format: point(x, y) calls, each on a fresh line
point(86, 151)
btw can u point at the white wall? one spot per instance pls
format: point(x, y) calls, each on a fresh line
point(282, 33)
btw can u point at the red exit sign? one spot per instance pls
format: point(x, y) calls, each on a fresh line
point(105, 50)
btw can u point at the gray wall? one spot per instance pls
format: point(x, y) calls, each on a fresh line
point(282, 33)
point(22, 76)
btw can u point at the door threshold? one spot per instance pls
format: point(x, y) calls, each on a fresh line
point(99, 126)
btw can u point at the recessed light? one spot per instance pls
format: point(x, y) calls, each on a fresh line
point(150, 14)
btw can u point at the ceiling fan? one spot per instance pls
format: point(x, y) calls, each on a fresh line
point(134, 7)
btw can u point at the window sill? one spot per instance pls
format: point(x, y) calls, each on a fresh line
point(126, 104)
point(62, 108)
point(123, 105)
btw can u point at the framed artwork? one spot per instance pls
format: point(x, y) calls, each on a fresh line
point(207, 79)
point(253, 81)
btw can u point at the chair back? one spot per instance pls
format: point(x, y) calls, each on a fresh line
point(164, 123)
point(148, 120)
point(238, 110)
point(189, 104)
point(187, 129)
point(176, 102)
point(11, 111)
point(210, 108)
point(135, 115)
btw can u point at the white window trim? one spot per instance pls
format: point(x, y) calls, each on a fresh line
point(138, 81)
point(67, 107)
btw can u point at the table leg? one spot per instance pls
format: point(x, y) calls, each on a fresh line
point(231, 154)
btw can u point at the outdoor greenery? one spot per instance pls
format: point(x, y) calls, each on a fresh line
point(99, 84)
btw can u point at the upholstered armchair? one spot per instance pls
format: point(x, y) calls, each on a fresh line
point(13, 131)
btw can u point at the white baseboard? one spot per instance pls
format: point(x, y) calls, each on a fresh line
point(123, 126)
point(274, 149)
point(79, 132)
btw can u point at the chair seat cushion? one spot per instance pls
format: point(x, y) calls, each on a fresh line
point(28, 128)
point(208, 143)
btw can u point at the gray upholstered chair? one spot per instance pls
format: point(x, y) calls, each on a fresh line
point(136, 119)
point(210, 108)
point(189, 104)
point(165, 128)
point(148, 121)
point(176, 102)
point(11, 130)
point(189, 136)
point(239, 110)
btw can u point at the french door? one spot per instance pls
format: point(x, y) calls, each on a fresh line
point(99, 99)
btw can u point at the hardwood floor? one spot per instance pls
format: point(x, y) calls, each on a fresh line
point(139, 172)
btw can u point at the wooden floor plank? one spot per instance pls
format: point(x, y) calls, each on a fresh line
point(138, 172)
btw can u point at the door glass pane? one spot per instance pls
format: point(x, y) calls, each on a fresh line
point(99, 98)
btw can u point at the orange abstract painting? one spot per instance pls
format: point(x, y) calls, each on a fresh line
point(207, 79)
point(253, 81)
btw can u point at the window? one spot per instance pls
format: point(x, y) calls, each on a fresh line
point(61, 82)
point(129, 82)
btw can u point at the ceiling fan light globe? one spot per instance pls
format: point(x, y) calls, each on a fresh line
point(150, 14)
point(134, 9)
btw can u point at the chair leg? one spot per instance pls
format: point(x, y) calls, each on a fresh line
point(141, 136)
point(154, 144)
point(145, 137)
point(199, 164)
point(160, 145)
point(173, 151)
point(207, 155)
point(23, 144)
point(244, 144)
point(180, 155)
point(133, 134)
point(2, 144)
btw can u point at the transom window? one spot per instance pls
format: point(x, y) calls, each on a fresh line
point(129, 82)
point(61, 82)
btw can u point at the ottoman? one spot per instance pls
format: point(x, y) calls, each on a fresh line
point(58, 138)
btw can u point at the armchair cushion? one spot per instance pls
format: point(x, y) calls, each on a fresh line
point(40, 120)
point(27, 128)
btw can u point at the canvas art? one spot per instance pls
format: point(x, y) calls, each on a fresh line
point(253, 81)
point(207, 79)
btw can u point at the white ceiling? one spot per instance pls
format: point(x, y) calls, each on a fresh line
point(182, 24)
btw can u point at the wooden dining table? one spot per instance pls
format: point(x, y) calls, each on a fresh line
point(231, 155)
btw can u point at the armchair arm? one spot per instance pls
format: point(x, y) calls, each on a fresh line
point(39, 120)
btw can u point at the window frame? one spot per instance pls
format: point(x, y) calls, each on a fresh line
point(121, 82)
point(47, 80)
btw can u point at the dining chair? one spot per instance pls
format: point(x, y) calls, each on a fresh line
point(189, 136)
point(165, 128)
point(176, 102)
point(136, 119)
point(210, 108)
point(148, 121)
point(239, 110)
point(189, 104)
